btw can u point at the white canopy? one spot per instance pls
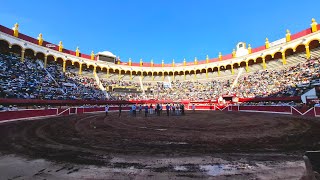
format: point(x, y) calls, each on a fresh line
point(107, 53)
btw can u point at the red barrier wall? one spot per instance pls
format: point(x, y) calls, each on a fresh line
point(284, 109)
point(317, 111)
point(7, 115)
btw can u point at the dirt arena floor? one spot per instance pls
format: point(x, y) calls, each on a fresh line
point(200, 145)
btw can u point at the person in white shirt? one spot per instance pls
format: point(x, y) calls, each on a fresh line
point(106, 110)
point(193, 108)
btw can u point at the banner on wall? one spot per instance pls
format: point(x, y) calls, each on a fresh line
point(50, 45)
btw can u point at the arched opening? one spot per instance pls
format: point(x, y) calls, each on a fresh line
point(314, 44)
point(69, 66)
point(98, 69)
point(4, 47)
point(16, 50)
point(243, 64)
point(268, 58)
point(149, 73)
point(170, 73)
point(203, 71)
point(250, 62)
point(155, 73)
point(123, 73)
point(228, 67)
point(60, 61)
point(277, 55)
point(215, 69)
point(289, 52)
point(111, 71)
point(300, 48)
point(116, 71)
point(29, 53)
point(145, 73)
point(76, 65)
point(40, 56)
point(259, 60)
point(235, 66)
point(90, 68)
point(50, 59)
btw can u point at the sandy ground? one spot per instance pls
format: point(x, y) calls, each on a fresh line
point(13, 167)
point(201, 145)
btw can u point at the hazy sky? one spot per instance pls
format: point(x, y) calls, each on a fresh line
point(159, 29)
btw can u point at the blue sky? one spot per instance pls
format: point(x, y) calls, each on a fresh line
point(159, 29)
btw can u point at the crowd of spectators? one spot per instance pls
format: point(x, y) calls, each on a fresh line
point(287, 82)
point(29, 80)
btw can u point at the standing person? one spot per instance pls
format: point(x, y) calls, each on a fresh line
point(173, 109)
point(106, 109)
point(140, 109)
point(168, 109)
point(193, 108)
point(151, 109)
point(120, 108)
point(178, 110)
point(182, 109)
point(134, 108)
point(146, 110)
point(158, 109)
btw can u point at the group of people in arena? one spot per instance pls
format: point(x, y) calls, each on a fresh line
point(173, 109)
point(30, 80)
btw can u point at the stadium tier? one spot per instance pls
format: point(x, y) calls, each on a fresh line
point(35, 69)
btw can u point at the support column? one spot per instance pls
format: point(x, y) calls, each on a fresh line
point(195, 74)
point(108, 72)
point(232, 70)
point(141, 75)
point(308, 52)
point(119, 74)
point(172, 75)
point(219, 71)
point(247, 66)
point(184, 74)
point(80, 68)
point(95, 70)
point(207, 76)
point(264, 65)
point(45, 61)
point(22, 55)
point(64, 66)
point(284, 61)
point(152, 76)
point(162, 76)
point(130, 75)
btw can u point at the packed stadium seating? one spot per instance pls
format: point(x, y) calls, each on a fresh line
point(29, 80)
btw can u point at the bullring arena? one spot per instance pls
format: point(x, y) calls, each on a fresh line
point(256, 112)
point(201, 144)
